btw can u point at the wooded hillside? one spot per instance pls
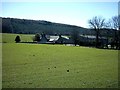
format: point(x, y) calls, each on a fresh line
point(13, 25)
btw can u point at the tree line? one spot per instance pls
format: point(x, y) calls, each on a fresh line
point(99, 23)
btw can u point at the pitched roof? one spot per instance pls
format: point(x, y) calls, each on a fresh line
point(53, 38)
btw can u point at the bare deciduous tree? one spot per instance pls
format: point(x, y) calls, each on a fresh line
point(97, 23)
point(116, 26)
point(115, 22)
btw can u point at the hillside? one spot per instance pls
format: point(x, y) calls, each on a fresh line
point(14, 25)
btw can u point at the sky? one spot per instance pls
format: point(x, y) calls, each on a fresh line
point(73, 13)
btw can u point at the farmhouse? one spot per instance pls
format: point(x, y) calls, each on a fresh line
point(58, 39)
point(53, 38)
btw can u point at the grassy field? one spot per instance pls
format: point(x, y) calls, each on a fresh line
point(10, 38)
point(57, 66)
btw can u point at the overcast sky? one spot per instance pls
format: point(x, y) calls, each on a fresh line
point(74, 13)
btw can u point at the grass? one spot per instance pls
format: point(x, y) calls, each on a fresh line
point(10, 38)
point(58, 66)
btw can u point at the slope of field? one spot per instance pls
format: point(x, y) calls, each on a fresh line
point(58, 66)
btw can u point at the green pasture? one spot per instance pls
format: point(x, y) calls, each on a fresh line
point(10, 38)
point(57, 66)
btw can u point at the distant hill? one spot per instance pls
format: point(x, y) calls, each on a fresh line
point(14, 25)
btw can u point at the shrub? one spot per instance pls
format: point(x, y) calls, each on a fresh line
point(17, 39)
point(36, 37)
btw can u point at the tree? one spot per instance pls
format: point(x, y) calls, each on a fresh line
point(36, 37)
point(17, 39)
point(113, 23)
point(116, 27)
point(119, 25)
point(97, 23)
point(75, 36)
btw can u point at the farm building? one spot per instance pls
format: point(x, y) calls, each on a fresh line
point(43, 39)
point(58, 39)
point(90, 40)
point(85, 40)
